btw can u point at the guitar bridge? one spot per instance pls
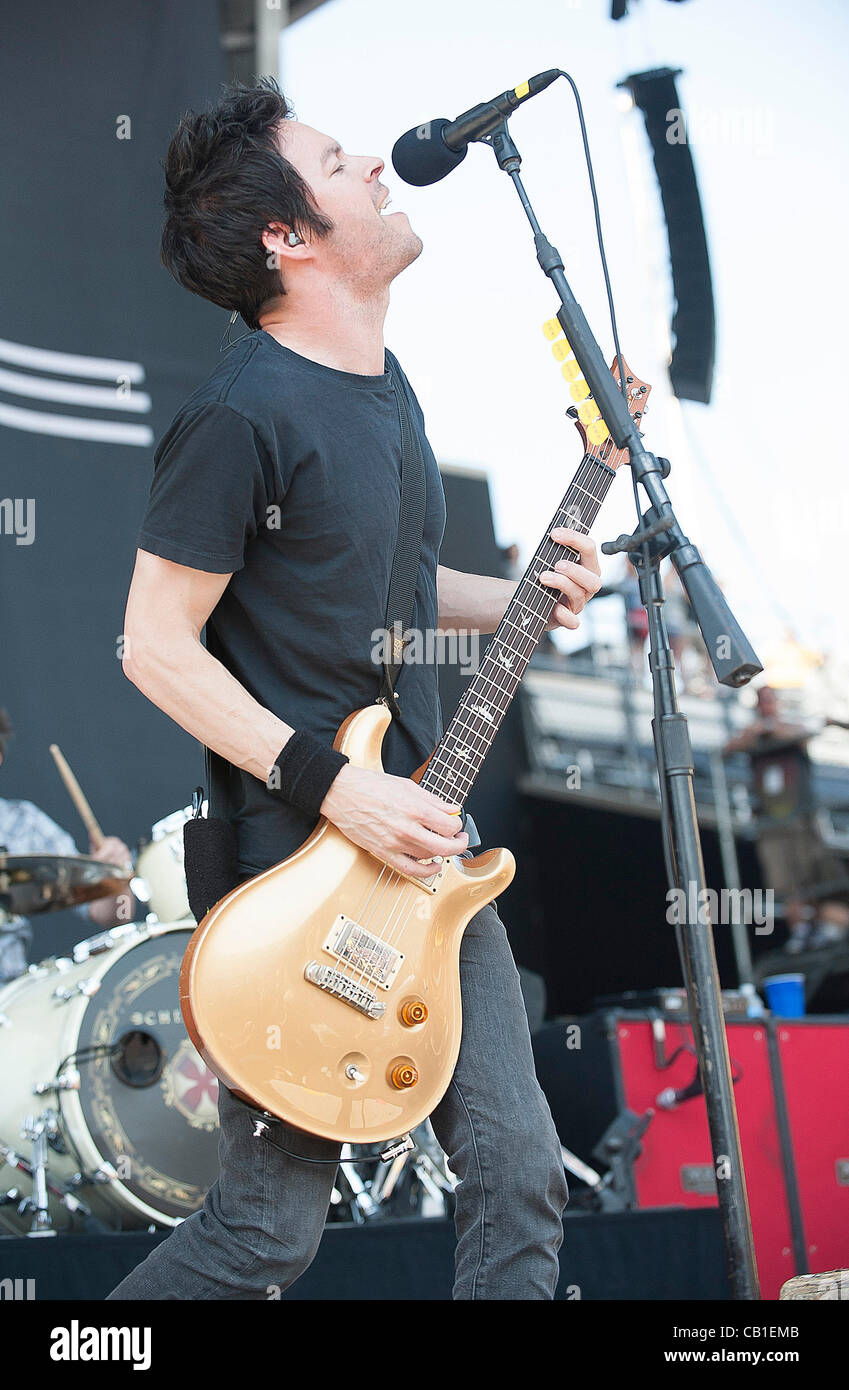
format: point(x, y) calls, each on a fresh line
point(344, 988)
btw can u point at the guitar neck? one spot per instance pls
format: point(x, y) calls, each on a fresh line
point(466, 740)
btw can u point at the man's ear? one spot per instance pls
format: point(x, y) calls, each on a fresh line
point(278, 249)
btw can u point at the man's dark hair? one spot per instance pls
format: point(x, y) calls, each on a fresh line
point(225, 181)
point(6, 731)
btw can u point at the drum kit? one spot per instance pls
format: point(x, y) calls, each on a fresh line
point(107, 1111)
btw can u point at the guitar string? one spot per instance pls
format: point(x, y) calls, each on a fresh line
point(504, 682)
point(584, 475)
point(392, 939)
point(476, 734)
point(532, 609)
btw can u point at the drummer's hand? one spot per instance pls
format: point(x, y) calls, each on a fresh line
point(112, 851)
point(111, 912)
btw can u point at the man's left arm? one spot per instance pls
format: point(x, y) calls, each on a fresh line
point(478, 602)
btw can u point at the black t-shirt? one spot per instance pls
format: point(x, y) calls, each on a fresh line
point(287, 473)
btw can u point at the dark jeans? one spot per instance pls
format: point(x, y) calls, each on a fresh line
point(261, 1222)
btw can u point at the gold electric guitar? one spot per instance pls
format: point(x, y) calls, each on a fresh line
point(326, 991)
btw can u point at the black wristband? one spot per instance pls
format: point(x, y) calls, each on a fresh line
point(303, 771)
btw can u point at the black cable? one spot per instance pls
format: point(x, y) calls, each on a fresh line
point(83, 1054)
point(369, 1158)
point(599, 236)
point(644, 549)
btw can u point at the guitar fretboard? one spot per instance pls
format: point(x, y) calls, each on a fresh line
point(468, 737)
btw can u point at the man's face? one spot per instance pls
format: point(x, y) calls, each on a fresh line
point(367, 248)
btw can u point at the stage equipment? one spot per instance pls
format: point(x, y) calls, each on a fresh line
point(104, 1087)
point(159, 866)
point(429, 152)
point(658, 534)
point(33, 883)
point(793, 1122)
point(694, 322)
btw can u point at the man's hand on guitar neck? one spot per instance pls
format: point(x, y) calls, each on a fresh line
point(577, 580)
point(394, 818)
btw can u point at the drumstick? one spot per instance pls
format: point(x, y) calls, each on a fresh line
point(75, 792)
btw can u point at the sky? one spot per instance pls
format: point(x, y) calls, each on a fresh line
point(764, 90)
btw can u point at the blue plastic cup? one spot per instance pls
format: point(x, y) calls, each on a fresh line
point(785, 995)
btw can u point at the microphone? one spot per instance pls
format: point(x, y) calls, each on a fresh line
point(428, 152)
point(669, 1098)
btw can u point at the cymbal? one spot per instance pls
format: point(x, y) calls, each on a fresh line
point(32, 883)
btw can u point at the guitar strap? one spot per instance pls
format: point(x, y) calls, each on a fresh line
point(408, 547)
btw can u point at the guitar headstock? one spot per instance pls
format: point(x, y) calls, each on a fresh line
point(594, 433)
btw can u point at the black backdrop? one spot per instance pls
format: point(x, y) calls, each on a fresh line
point(79, 247)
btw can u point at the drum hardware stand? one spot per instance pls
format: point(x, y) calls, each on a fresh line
point(734, 662)
point(39, 1130)
point(618, 1147)
point(361, 1203)
point(385, 1182)
point(367, 1200)
point(426, 1167)
point(436, 1183)
point(585, 1174)
point(66, 1196)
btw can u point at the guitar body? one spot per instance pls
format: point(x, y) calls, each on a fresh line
point(264, 978)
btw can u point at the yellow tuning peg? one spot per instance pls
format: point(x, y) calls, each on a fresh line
point(579, 390)
point(597, 432)
point(570, 369)
point(588, 411)
point(551, 328)
point(561, 349)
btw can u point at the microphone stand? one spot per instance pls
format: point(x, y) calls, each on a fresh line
point(658, 534)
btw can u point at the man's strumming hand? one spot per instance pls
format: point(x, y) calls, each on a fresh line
point(393, 818)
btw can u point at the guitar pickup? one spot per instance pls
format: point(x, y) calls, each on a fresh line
point(370, 956)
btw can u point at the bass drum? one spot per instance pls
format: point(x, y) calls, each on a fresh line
point(139, 1119)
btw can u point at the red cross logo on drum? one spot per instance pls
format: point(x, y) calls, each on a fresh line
point(191, 1087)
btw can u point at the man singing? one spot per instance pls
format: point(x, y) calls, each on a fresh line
point(272, 522)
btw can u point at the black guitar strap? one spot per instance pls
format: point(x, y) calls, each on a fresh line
point(408, 547)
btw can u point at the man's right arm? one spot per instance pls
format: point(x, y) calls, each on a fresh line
point(168, 606)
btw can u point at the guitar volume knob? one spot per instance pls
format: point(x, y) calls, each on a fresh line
point(403, 1075)
point(414, 1012)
